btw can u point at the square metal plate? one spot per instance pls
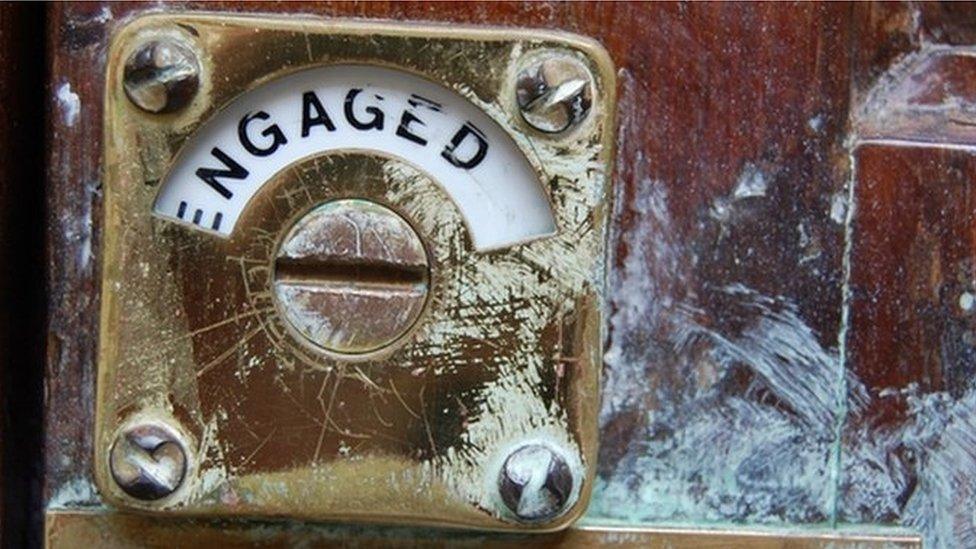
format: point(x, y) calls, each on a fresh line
point(506, 352)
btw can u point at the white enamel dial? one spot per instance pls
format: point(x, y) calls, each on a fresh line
point(367, 108)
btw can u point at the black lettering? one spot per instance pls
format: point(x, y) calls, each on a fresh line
point(421, 101)
point(273, 131)
point(403, 130)
point(375, 123)
point(233, 171)
point(313, 114)
point(409, 117)
point(468, 129)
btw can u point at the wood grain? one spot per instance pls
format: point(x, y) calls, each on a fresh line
point(909, 444)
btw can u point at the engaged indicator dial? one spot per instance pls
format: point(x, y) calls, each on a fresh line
point(355, 107)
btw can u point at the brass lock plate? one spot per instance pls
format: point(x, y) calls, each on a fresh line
point(352, 271)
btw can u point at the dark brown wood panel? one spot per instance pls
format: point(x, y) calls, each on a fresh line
point(76, 38)
point(909, 446)
point(883, 32)
point(948, 22)
point(910, 440)
point(912, 274)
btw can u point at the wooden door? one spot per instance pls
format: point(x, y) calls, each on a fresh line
point(792, 280)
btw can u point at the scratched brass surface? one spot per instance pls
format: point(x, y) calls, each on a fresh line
point(68, 529)
point(508, 347)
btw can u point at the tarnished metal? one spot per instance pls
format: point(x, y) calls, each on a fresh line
point(351, 276)
point(554, 92)
point(536, 483)
point(148, 461)
point(507, 346)
point(161, 76)
point(112, 529)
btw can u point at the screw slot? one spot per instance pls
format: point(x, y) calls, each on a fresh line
point(554, 93)
point(351, 276)
point(148, 461)
point(161, 76)
point(536, 483)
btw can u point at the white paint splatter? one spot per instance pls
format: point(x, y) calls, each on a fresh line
point(70, 104)
point(838, 208)
point(74, 493)
point(966, 301)
point(731, 370)
point(808, 243)
point(642, 291)
point(104, 15)
point(752, 182)
point(920, 470)
point(78, 228)
point(816, 123)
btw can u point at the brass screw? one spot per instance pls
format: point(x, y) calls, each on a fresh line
point(148, 461)
point(161, 76)
point(351, 276)
point(535, 483)
point(554, 93)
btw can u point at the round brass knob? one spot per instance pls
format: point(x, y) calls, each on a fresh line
point(351, 276)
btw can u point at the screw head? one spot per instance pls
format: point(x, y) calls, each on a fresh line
point(555, 93)
point(161, 76)
point(148, 461)
point(351, 276)
point(535, 483)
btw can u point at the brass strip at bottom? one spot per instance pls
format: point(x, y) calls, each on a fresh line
point(111, 529)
